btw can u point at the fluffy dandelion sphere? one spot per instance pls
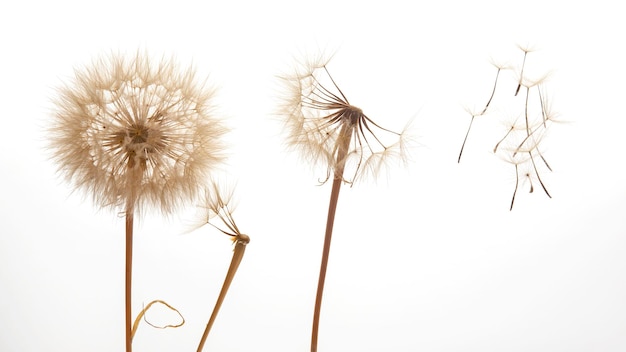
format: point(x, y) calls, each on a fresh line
point(136, 134)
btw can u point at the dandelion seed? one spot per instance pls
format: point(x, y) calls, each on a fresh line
point(530, 180)
point(484, 111)
point(493, 91)
point(530, 142)
point(547, 112)
point(544, 160)
point(526, 50)
point(526, 170)
point(526, 111)
point(135, 135)
point(332, 132)
point(511, 127)
point(532, 159)
point(516, 185)
point(465, 139)
point(522, 170)
point(543, 107)
point(520, 145)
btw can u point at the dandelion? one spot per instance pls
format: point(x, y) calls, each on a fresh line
point(218, 206)
point(331, 132)
point(135, 135)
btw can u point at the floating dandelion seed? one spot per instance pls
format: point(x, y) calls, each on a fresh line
point(332, 132)
point(135, 135)
point(526, 50)
point(484, 111)
point(526, 172)
point(523, 137)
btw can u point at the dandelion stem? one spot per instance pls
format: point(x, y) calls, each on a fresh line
point(344, 138)
point(129, 275)
point(240, 247)
point(142, 315)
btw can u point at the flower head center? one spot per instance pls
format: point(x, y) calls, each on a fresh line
point(352, 115)
point(135, 142)
point(139, 134)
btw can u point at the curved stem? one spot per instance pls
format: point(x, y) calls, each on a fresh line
point(344, 143)
point(143, 312)
point(240, 247)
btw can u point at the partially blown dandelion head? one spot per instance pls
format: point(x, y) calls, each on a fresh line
point(331, 132)
point(218, 202)
point(136, 134)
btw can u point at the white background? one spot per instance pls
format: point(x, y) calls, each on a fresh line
point(427, 258)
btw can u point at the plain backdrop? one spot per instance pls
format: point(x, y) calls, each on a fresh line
point(427, 257)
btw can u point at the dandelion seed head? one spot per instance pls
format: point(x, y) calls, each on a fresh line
point(136, 134)
point(217, 203)
point(329, 131)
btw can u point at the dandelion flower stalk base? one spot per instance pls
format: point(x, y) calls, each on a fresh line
point(345, 137)
point(338, 135)
point(240, 247)
point(129, 278)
